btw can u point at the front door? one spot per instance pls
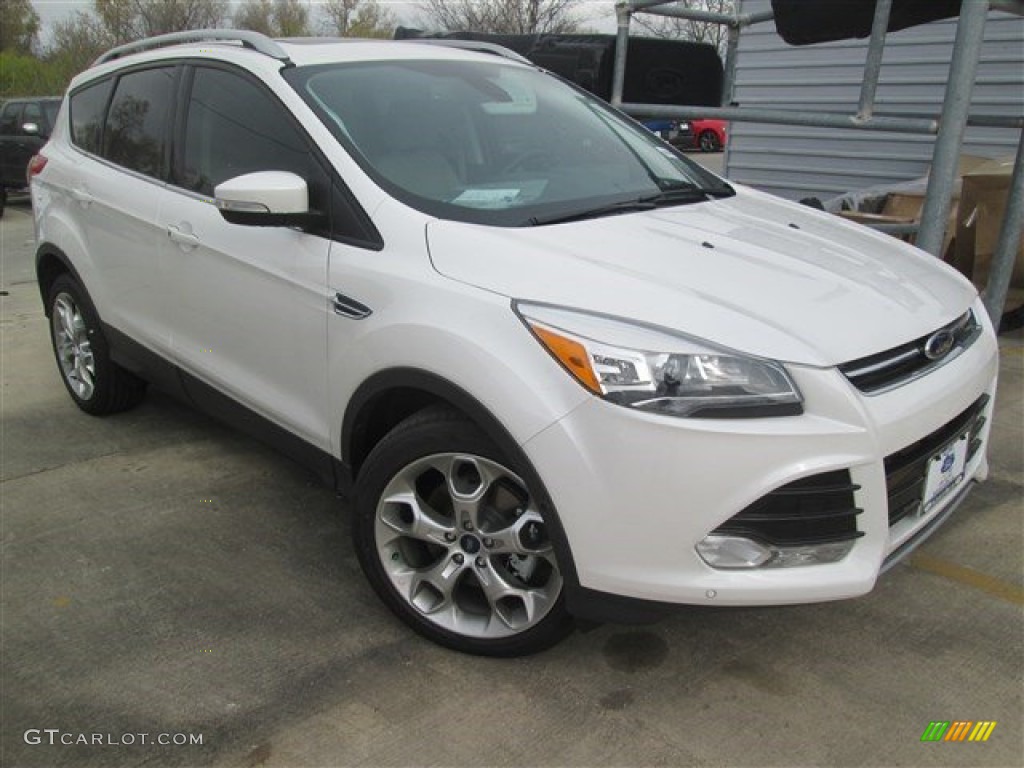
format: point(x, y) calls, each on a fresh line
point(250, 305)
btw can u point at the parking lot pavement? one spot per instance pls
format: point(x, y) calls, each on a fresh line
point(165, 576)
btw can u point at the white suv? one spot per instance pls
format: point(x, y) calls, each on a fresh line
point(560, 370)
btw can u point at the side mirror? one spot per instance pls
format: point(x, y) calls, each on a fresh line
point(266, 199)
point(30, 129)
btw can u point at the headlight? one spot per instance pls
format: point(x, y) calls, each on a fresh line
point(653, 370)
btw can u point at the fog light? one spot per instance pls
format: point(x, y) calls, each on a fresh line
point(732, 552)
point(740, 552)
point(814, 554)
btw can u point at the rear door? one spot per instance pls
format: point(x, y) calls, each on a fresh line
point(122, 127)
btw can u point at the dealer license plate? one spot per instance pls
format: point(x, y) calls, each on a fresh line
point(945, 474)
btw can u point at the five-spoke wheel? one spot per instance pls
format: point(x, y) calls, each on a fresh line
point(455, 542)
point(72, 345)
point(94, 381)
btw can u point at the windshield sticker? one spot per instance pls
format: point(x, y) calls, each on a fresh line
point(502, 196)
point(487, 198)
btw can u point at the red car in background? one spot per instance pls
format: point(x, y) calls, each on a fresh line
point(709, 135)
point(706, 135)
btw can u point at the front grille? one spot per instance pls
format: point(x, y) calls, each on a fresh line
point(815, 510)
point(908, 361)
point(906, 470)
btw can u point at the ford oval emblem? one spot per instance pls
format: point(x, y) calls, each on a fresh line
point(939, 344)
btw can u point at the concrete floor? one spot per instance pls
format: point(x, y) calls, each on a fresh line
point(163, 575)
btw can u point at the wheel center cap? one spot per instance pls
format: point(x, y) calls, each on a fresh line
point(470, 544)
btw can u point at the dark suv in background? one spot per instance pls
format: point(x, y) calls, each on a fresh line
point(25, 126)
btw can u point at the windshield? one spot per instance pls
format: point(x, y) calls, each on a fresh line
point(491, 142)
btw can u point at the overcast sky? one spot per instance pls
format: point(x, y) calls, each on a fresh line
point(596, 14)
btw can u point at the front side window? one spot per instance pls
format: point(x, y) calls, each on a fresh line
point(137, 127)
point(493, 143)
point(87, 106)
point(232, 128)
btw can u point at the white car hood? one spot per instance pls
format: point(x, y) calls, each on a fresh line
point(736, 272)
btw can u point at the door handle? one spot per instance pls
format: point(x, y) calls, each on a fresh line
point(83, 197)
point(180, 237)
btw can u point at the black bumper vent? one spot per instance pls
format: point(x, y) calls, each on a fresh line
point(816, 510)
point(906, 470)
point(909, 361)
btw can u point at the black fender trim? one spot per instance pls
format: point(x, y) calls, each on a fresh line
point(354, 429)
point(48, 250)
point(206, 399)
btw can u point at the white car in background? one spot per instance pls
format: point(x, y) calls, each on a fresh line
point(560, 370)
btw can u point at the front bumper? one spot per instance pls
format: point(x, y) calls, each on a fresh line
point(636, 492)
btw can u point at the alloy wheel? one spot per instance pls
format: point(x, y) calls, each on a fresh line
point(463, 544)
point(74, 350)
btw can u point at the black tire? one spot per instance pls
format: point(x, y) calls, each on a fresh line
point(708, 142)
point(95, 382)
point(3, 201)
point(468, 619)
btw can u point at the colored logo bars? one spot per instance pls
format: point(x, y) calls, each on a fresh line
point(958, 730)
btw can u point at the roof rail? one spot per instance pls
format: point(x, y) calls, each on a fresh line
point(249, 39)
point(472, 45)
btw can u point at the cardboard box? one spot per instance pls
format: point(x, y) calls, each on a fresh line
point(981, 212)
point(905, 205)
point(880, 218)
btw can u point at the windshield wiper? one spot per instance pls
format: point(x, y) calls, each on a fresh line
point(626, 206)
point(687, 193)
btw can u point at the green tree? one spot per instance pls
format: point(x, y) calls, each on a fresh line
point(75, 42)
point(22, 75)
point(673, 28)
point(358, 18)
point(127, 20)
point(19, 27)
point(276, 18)
point(515, 17)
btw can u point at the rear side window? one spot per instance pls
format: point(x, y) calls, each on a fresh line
point(51, 108)
point(9, 118)
point(232, 128)
point(137, 121)
point(33, 114)
point(87, 107)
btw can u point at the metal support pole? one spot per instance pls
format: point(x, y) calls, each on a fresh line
point(639, 5)
point(622, 14)
point(873, 63)
point(787, 117)
point(1009, 241)
point(732, 50)
point(970, 31)
point(696, 14)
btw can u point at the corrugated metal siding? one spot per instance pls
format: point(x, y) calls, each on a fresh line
point(795, 162)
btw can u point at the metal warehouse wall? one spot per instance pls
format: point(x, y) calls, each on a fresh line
point(795, 162)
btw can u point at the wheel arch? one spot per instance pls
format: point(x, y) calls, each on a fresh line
point(51, 263)
point(388, 397)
